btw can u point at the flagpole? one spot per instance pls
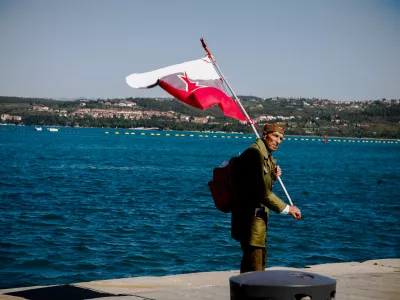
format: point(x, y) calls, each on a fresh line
point(210, 56)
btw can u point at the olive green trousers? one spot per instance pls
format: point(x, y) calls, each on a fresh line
point(254, 258)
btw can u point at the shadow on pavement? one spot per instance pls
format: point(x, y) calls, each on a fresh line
point(61, 292)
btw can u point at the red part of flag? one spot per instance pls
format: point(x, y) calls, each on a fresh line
point(201, 94)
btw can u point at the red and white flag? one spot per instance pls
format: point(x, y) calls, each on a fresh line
point(195, 83)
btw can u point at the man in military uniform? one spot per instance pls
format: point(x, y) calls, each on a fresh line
point(256, 172)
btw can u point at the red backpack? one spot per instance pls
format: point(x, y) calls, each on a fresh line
point(222, 186)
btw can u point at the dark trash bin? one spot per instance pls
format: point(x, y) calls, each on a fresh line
point(282, 285)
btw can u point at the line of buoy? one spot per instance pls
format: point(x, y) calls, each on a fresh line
point(288, 138)
point(252, 137)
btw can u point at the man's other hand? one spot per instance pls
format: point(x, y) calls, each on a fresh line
point(295, 212)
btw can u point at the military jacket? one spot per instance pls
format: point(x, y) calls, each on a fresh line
point(254, 178)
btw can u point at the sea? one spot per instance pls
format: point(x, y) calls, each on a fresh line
point(84, 204)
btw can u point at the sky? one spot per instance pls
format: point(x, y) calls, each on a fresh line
point(333, 49)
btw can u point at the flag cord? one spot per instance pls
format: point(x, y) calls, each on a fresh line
point(241, 106)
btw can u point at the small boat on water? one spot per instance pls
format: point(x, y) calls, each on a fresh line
point(52, 129)
point(38, 128)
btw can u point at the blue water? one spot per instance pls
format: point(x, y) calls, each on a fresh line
point(80, 205)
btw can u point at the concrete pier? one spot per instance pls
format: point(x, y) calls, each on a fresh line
point(370, 280)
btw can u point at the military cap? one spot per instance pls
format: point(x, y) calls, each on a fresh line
point(278, 127)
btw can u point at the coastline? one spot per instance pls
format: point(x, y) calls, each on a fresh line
point(372, 279)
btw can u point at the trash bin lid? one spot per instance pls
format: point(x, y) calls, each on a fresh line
point(282, 285)
point(282, 278)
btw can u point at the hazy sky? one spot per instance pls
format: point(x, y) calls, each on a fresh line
point(340, 50)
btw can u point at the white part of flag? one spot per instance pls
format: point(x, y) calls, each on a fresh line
point(200, 69)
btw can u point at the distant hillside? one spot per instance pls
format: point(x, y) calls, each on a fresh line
point(378, 118)
point(246, 98)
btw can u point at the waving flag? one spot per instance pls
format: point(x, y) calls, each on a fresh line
point(195, 83)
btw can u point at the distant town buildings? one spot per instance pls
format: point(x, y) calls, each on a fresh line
point(5, 117)
point(40, 108)
point(126, 108)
